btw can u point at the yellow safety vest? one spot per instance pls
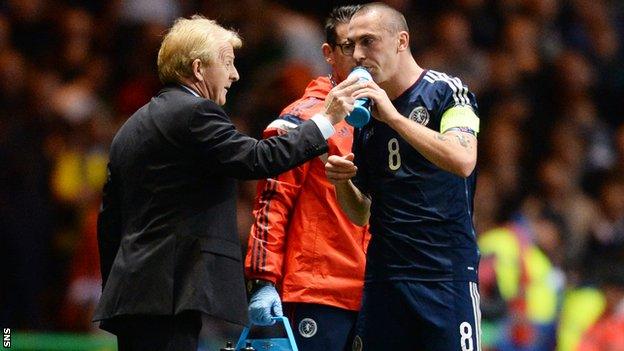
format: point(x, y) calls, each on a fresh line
point(580, 310)
point(539, 290)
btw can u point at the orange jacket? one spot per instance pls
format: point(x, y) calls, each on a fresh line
point(301, 240)
point(606, 335)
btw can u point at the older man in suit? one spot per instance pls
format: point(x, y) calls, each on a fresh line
point(169, 248)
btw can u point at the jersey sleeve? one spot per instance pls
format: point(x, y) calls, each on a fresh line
point(458, 106)
point(274, 202)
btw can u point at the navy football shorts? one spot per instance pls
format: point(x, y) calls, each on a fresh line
point(419, 315)
point(319, 327)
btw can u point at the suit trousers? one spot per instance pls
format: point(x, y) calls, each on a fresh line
point(158, 333)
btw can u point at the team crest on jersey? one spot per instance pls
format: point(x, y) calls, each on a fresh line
point(420, 115)
point(307, 327)
point(357, 344)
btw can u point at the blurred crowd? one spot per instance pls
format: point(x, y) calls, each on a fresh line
point(549, 207)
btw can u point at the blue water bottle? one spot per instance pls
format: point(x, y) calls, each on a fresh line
point(361, 113)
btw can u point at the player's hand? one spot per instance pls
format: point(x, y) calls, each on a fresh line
point(264, 304)
point(340, 169)
point(339, 102)
point(381, 107)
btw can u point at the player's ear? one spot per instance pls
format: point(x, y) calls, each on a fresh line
point(403, 41)
point(328, 52)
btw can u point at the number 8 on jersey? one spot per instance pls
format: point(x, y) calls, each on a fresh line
point(394, 157)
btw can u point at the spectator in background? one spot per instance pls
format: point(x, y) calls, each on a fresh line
point(160, 12)
point(561, 193)
point(301, 244)
point(453, 52)
point(606, 240)
point(502, 155)
point(575, 78)
point(596, 134)
point(546, 13)
point(520, 39)
point(519, 266)
point(33, 31)
point(608, 332)
point(487, 202)
point(483, 19)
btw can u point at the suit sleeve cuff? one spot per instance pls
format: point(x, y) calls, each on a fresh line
point(324, 125)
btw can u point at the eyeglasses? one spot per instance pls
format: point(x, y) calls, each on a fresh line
point(347, 48)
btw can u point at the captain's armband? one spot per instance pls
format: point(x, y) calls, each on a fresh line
point(461, 118)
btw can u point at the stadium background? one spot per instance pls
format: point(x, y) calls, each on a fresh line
point(548, 75)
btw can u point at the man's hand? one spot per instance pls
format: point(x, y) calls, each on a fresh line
point(264, 304)
point(340, 169)
point(381, 108)
point(339, 102)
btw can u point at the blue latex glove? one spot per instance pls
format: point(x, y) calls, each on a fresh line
point(264, 304)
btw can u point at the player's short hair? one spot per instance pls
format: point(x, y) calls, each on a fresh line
point(396, 23)
point(339, 15)
point(190, 39)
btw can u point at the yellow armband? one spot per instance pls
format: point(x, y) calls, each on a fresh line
point(459, 117)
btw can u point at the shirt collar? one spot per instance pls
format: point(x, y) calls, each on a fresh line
point(190, 90)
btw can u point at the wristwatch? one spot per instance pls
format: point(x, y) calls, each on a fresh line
point(254, 285)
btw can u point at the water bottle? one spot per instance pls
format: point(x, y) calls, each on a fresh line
point(361, 113)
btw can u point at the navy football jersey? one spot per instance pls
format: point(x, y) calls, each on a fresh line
point(421, 215)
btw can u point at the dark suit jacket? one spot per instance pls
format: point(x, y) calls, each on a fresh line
point(167, 228)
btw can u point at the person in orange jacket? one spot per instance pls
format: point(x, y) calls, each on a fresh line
point(607, 334)
point(301, 243)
